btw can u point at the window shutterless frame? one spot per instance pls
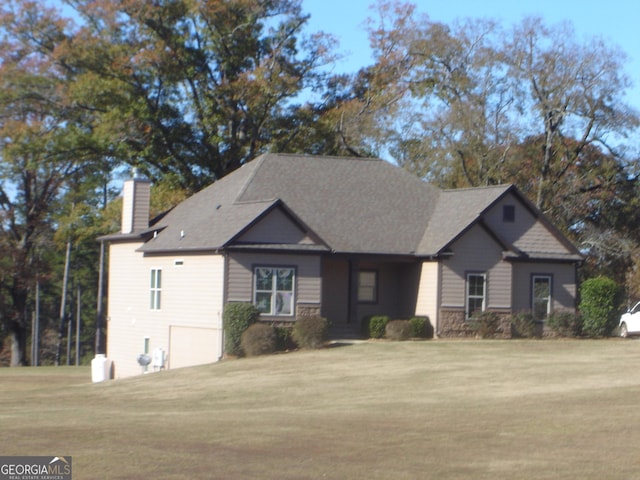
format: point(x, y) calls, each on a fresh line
point(368, 286)
point(541, 295)
point(476, 294)
point(274, 290)
point(155, 289)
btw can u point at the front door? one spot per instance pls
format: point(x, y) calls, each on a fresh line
point(335, 291)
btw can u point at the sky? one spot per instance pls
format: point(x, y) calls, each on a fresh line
point(616, 21)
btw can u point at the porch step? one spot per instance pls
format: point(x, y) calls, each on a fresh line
point(344, 331)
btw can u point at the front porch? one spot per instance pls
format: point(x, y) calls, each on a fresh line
point(357, 287)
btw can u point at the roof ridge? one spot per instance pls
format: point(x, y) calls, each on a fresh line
point(483, 187)
point(327, 157)
point(249, 202)
point(241, 191)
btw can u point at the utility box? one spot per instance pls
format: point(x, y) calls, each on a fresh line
point(100, 368)
point(158, 359)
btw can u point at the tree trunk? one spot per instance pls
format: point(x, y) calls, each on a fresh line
point(18, 344)
point(99, 347)
point(63, 304)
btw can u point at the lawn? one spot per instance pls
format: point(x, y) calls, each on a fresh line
point(441, 409)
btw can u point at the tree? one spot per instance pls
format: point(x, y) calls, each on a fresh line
point(186, 89)
point(575, 92)
point(43, 142)
point(360, 110)
point(482, 105)
point(189, 90)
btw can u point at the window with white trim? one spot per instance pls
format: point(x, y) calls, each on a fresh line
point(155, 288)
point(273, 292)
point(476, 294)
point(541, 296)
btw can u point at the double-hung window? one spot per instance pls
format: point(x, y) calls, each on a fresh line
point(541, 296)
point(155, 288)
point(476, 293)
point(274, 291)
point(367, 286)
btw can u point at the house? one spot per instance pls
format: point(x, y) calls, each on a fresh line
point(343, 238)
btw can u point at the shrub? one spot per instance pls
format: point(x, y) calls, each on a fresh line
point(284, 338)
point(311, 332)
point(364, 326)
point(258, 339)
point(378, 325)
point(398, 330)
point(565, 324)
point(485, 324)
point(236, 318)
point(599, 306)
point(523, 325)
point(420, 327)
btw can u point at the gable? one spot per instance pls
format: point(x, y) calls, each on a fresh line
point(477, 250)
point(276, 227)
point(525, 230)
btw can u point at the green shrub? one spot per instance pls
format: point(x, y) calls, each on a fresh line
point(258, 339)
point(364, 326)
point(377, 325)
point(284, 338)
point(236, 318)
point(311, 332)
point(420, 327)
point(485, 324)
point(599, 306)
point(398, 330)
point(565, 324)
point(524, 325)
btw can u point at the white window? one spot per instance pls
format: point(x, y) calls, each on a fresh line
point(274, 291)
point(367, 286)
point(476, 293)
point(155, 287)
point(541, 296)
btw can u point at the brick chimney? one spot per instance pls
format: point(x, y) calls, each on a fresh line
point(136, 194)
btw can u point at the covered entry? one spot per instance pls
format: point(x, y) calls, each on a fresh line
point(354, 288)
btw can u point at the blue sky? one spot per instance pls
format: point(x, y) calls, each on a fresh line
point(616, 21)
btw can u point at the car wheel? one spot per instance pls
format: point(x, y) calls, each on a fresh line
point(624, 333)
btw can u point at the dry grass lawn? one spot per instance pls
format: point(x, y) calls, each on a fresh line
point(378, 410)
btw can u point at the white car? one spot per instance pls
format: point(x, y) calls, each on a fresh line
point(630, 322)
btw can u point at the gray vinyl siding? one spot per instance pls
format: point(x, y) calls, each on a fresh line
point(563, 286)
point(276, 227)
point(526, 232)
point(397, 290)
point(476, 252)
point(335, 290)
point(240, 275)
